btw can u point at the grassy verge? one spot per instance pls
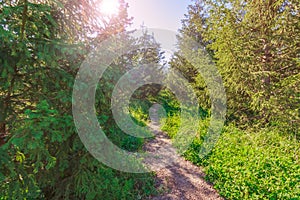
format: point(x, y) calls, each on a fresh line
point(243, 164)
point(247, 164)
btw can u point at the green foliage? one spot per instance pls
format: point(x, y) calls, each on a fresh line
point(168, 101)
point(263, 165)
point(171, 125)
point(246, 164)
point(255, 46)
point(42, 45)
point(256, 55)
point(44, 42)
point(139, 110)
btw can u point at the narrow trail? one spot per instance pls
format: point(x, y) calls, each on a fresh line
point(179, 179)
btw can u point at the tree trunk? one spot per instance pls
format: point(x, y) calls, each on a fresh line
point(2, 133)
point(3, 111)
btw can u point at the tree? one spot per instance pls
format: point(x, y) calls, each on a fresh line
point(255, 46)
point(193, 47)
point(258, 59)
point(43, 44)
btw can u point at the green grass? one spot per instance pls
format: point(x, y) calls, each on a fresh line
point(262, 165)
point(247, 164)
point(243, 165)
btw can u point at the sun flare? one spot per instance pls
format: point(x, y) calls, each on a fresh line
point(109, 7)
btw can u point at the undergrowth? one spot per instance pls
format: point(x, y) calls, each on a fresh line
point(245, 164)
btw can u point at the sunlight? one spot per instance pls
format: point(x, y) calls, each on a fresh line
point(109, 7)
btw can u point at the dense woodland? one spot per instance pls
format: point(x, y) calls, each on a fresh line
point(255, 46)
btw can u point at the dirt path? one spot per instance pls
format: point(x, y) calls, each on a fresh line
point(180, 179)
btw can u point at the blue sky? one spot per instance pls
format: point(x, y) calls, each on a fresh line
point(164, 14)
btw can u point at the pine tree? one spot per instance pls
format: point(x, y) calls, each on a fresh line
point(255, 46)
point(192, 46)
point(43, 43)
point(258, 59)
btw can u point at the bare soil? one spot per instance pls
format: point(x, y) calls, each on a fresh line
point(176, 178)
